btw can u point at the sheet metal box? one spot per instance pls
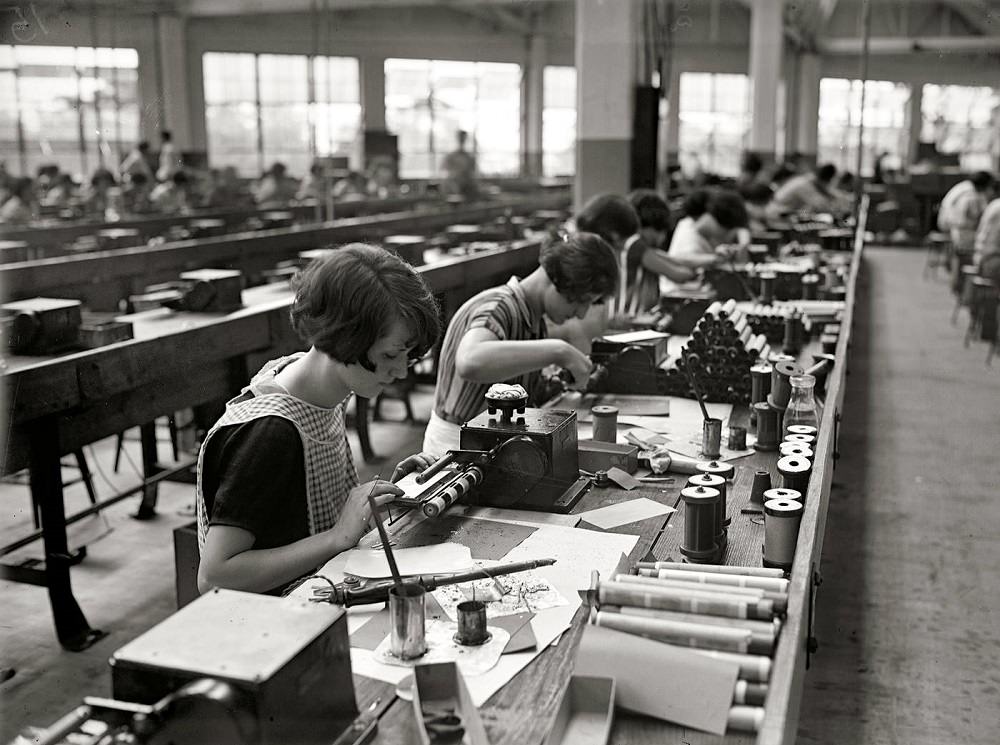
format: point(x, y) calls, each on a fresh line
point(290, 657)
point(42, 325)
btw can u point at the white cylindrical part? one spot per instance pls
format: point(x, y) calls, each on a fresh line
point(682, 633)
point(754, 668)
point(745, 719)
point(774, 584)
point(781, 531)
point(715, 568)
point(692, 588)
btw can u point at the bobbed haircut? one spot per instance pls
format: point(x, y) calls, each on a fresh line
point(826, 172)
point(725, 205)
point(581, 264)
point(349, 299)
point(982, 180)
point(610, 216)
point(651, 208)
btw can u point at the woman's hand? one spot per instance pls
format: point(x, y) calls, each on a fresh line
point(356, 516)
point(417, 462)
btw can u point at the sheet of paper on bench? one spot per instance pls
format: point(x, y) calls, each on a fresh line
point(660, 680)
point(517, 517)
point(439, 559)
point(624, 513)
point(577, 552)
point(631, 337)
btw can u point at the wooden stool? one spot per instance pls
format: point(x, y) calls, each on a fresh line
point(938, 250)
point(967, 273)
point(982, 309)
point(957, 262)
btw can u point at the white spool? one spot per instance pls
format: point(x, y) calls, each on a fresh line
point(781, 530)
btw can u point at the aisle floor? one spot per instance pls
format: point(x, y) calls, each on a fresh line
point(908, 628)
point(908, 618)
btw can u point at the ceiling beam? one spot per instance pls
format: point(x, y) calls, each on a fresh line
point(901, 45)
point(826, 10)
point(977, 15)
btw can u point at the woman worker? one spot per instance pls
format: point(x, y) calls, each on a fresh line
point(501, 334)
point(278, 493)
point(704, 237)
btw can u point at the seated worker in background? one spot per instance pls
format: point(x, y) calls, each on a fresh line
point(756, 199)
point(136, 194)
point(170, 159)
point(704, 238)
point(843, 192)
point(18, 208)
point(275, 189)
point(987, 244)
point(277, 492)
point(382, 179)
point(62, 194)
point(460, 171)
point(646, 260)
point(172, 196)
point(806, 192)
point(500, 335)
point(313, 186)
point(962, 207)
point(136, 163)
point(97, 200)
point(353, 185)
point(751, 172)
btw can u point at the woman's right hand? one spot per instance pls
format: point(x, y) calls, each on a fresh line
point(355, 518)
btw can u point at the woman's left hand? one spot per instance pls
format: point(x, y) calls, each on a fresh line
point(417, 462)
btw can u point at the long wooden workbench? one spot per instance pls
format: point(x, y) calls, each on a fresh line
point(176, 360)
point(523, 712)
point(103, 278)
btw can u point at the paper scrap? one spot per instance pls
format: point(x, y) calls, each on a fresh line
point(519, 628)
point(517, 517)
point(623, 478)
point(630, 337)
point(660, 680)
point(624, 513)
point(486, 540)
point(505, 595)
point(443, 558)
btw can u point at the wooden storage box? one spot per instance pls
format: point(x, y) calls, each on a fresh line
point(586, 713)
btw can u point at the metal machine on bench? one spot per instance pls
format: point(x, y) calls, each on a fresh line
point(510, 456)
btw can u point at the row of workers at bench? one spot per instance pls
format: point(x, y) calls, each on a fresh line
point(970, 215)
point(278, 493)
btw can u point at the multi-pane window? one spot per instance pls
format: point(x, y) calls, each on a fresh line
point(262, 108)
point(965, 120)
point(714, 117)
point(885, 122)
point(77, 107)
point(559, 121)
point(428, 101)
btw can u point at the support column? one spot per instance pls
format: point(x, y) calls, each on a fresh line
point(372, 73)
point(766, 49)
point(605, 63)
point(914, 121)
point(670, 125)
point(533, 101)
point(808, 106)
point(172, 40)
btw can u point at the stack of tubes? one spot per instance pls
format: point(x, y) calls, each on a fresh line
point(731, 613)
point(722, 348)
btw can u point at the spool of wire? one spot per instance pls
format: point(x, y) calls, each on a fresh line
point(780, 493)
point(737, 437)
point(801, 429)
point(714, 481)
point(804, 439)
point(605, 422)
point(767, 427)
point(795, 448)
point(453, 491)
point(782, 518)
point(794, 471)
point(781, 386)
point(699, 524)
point(794, 333)
point(767, 280)
point(717, 467)
point(760, 386)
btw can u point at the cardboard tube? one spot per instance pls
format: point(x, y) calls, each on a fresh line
point(676, 632)
point(749, 694)
point(745, 719)
point(716, 568)
point(774, 584)
point(671, 598)
point(779, 599)
point(763, 634)
point(754, 668)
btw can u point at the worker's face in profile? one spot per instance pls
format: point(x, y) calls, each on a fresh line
point(391, 357)
point(653, 237)
point(559, 308)
point(715, 233)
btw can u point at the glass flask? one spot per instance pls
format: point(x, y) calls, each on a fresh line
point(801, 404)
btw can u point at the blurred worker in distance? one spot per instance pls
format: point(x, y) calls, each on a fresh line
point(352, 185)
point(843, 192)
point(751, 172)
point(501, 334)
point(170, 159)
point(173, 196)
point(98, 196)
point(962, 207)
point(987, 245)
point(136, 193)
point(460, 170)
point(708, 233)
point(756, 198)
point(18, 209)
point(135, 163)
point(277, 492)
point(275, 189)
point(806, 192)
point(313, 186)
point(382, 179)
point(62, 194)
point(646, 259)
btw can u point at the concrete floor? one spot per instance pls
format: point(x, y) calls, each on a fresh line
point(908, 623)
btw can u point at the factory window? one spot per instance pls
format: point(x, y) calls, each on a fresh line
point(885, 123)
point(964, 120)
point(428, 101)
point(714, 121)
point(559, 121)
point(262, 108)
point(77, 107)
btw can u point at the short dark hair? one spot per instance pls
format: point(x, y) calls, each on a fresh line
point(610, 216)
point(751, 162)
point(348, 299)
point(166, 135)
point(581, 264)
point(180, 179)
point(725, 205)
point(143, 146)
point(651, 208)
point(758, 194)
point(982, 180)
point(826, 172)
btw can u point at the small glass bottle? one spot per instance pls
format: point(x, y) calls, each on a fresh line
point(801, 404)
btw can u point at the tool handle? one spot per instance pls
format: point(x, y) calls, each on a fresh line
point(445, 460)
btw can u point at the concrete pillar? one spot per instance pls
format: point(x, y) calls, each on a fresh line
point(671, 123)
point(533, 104)
point(605, 64)
point(766, 49)
point(172, 40)
point(808, 105)
point(914, 121)
point(372, 72)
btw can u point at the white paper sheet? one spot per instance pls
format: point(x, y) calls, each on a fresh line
point(630, 337)
point(624, 513)
point(439, 559)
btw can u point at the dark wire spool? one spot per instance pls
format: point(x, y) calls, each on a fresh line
point(699, 544)
point(794, 471)
point(767, 427)
point(781, 386)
